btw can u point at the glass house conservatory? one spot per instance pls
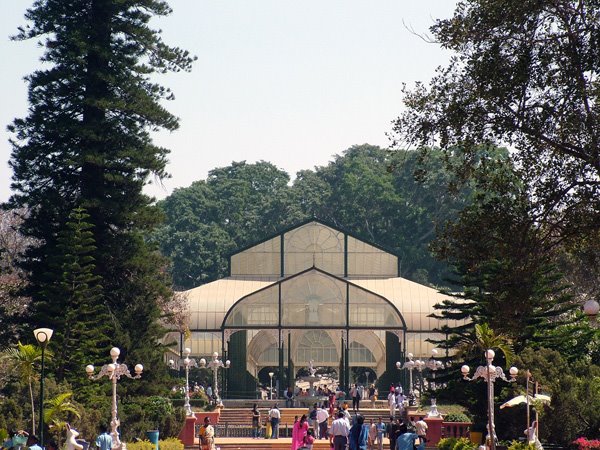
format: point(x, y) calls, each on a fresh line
point(311, 293)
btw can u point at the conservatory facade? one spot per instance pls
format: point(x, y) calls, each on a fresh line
point(311, 293)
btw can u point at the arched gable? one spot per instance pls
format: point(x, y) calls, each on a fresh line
point(314, 299)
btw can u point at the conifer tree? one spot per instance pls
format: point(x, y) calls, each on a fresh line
point(505, 263)
point(74, 296)
point(85, 142)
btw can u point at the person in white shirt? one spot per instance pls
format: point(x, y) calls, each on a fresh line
point(392, 403)
point(275, 417)
point(421, 429)
point(340, 428)
point(322, 416)
point(400, 401)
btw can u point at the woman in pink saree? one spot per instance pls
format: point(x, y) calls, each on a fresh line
point(299, 432)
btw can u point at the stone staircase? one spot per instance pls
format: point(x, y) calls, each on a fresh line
point(243, 416)
point(239, 416)
point(264, 444)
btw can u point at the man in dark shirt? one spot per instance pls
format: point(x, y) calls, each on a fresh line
point(394, 431)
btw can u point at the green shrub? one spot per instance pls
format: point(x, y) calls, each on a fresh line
point(446, 443)
point(141, 445)
point(516, 445)
point(170, 444)
point(456, 417)
point(464, 444)
point(166, 444)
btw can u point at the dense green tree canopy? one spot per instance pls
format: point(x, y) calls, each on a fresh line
point(524, 74)
point(85, 142)
point(505, 265)
point(243, 203)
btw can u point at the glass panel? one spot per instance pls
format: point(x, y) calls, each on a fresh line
point(315, 245)
point(204, 344)
point(262, 259)
point(416, 343)
point(313, 299)
point(360, 353)
point(318, 346)
point(270, 357)
point(370, 310)
point(366, 260)
point(259, 309)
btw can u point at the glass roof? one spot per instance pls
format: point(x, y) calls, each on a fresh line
point(314, 299)
point(314, 244)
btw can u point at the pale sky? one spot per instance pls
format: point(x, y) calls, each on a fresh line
point(289, 82)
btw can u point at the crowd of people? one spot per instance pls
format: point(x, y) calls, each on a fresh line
point(332, 420)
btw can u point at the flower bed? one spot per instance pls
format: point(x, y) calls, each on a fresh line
point(585, 444)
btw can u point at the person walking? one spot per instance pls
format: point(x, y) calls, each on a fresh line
point(299, 432)
point(322, 416)
point(255, 422)
point(354, 396)
point(361, 392)
point(340, 428)
point(392, 404)
point(373, 395)
point(313, 418)
point(380, 426)
point(421, 429)
point(289, 397)
point(274, 417)
point(372, 434)
point(393, 432)
point(104, 440)
point(400, 401)
point(207, 435)
point(359, 434)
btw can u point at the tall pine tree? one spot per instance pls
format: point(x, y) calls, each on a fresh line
point(86, 142)
point(73, 296)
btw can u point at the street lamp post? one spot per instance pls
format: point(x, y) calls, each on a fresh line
point(42, 336)
point(490, 373)
point(215, 364)
point(433, 365)
point(187, 363)
point(410, 365)
point(114, 371)
point(271, 389)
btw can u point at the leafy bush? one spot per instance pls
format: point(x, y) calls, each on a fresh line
point(142, 445)
point(156, 408)
point(456, 417)
point(166, 444)
point(446, 443)
point(517, 445)
point(170, 444)
point(464, 444)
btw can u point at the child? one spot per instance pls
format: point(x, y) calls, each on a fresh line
point(309, 440)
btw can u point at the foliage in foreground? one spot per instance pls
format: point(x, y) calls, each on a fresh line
point(163, 444)
point(456, 444)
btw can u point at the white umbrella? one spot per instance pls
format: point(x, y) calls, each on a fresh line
point(522, 399)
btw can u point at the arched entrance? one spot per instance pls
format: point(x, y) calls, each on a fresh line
point(314, 316)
